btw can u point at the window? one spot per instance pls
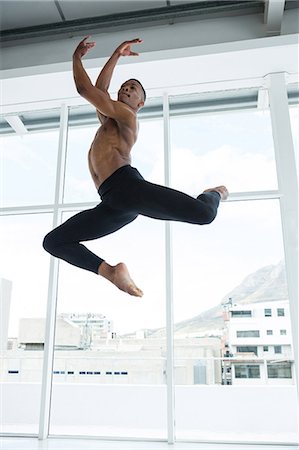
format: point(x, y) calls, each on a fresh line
point(279, 370)
point(247, 371)
point(265, 348)
point(24, 268)
point(247, 313)
point(214, 150)
point(31, 160)
point(248, 333)
point(269, 332)
point(283, 332)
point(277, 349)
point(280, 312)
point(247, 349)
point(268, 312)
point(122, 349)
point(251, 227)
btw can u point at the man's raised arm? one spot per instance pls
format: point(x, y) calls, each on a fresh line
point(82, 80)
point(124, 49)
point(99, 99)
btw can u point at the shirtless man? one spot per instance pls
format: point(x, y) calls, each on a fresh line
point(123, 191)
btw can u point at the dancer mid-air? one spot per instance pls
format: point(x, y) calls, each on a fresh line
point(123, 191)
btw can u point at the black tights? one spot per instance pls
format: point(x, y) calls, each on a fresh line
point(125, 195)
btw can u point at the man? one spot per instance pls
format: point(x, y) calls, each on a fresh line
point(124, 192)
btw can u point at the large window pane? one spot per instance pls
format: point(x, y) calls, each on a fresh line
point(232, 148)
point(24, 268)
point(28, 168)
point(234, 265)
point(294, 115)
point(109, 347)
point(106, 351)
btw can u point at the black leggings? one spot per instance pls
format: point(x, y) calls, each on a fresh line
point(125, 195)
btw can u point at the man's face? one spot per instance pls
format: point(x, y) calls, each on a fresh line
point(131, 93)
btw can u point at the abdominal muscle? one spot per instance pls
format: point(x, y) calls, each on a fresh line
point(108, 152)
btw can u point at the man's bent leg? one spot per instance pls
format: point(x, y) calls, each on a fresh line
point(64, 242)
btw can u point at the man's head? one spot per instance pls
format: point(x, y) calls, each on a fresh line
point(132, 93)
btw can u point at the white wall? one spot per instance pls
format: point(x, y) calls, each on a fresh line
point(5, 298)
point(233, 413)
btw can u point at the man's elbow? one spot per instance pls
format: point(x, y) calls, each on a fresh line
point(81, 89)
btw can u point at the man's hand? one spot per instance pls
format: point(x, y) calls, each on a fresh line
point(83, 47)
point(124, 49)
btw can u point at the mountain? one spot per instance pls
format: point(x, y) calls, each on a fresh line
point(264, 285)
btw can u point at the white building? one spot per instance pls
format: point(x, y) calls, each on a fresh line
point(93, 327)
point(5, 299)
point(113, 360)
point(258, 344)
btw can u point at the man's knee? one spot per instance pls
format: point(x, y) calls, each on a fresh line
point(50, 242)
point(208, 215)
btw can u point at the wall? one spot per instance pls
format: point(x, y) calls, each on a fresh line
point(255, 413)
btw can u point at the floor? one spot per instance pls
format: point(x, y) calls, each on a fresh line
point(14, 443)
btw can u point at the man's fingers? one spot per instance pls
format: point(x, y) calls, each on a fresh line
point(134, 41)
point(87, 43)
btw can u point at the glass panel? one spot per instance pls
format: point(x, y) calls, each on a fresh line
point(110, 348)
point(24, 269)
point(294, 115)
point(234, 264)
point(232, 148)
point(79, 186)
point(28, 168)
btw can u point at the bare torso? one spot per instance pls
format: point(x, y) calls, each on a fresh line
point(111, 148)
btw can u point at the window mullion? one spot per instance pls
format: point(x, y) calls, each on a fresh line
point(53, 285)
point(169, 286)
point(288, 187)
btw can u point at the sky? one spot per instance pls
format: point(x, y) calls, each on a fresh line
point(234, 149)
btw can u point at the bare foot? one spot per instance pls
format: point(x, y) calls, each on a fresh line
point(221, 190)
point(120, 277)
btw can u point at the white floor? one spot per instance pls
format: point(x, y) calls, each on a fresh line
point(14, 443)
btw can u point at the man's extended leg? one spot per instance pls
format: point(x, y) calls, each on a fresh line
point(64, 242)
point(164, 203)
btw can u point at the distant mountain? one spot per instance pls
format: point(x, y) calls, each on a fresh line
point(264, 285)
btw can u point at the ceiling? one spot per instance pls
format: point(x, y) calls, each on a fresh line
point(27, 21)
point(39, 36)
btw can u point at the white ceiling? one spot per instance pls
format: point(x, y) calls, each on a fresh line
point(245, 39)
point(18, 14)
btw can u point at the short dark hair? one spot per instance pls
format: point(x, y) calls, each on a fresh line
point(143, 90)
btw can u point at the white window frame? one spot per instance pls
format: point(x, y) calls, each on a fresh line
point(287, 194)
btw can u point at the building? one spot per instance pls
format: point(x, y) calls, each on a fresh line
point(5, 299)
point(258, 344)
point(82, 356)
point(93, 327)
